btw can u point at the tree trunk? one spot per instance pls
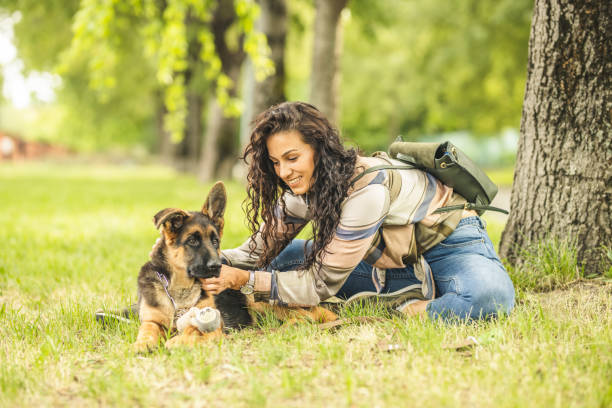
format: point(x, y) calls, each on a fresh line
point(220, 147)
point(273, 23)
point(217, 158)
point(189, 148)
point(164, 143)
point(563, 179)
point(193, 131)
point(186, 153)
point(324, 81)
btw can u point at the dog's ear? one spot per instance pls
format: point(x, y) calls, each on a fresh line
point(171, 219)
point(214, 206)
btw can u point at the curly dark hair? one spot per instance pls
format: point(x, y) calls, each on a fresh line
point(334, 168)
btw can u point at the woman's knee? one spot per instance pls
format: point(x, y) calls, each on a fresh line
point(492, 296)
point(481, 294)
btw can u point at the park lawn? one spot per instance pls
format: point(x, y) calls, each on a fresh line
point(74, 236)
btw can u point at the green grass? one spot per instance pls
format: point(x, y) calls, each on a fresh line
point(547, 265)
point(74, 237)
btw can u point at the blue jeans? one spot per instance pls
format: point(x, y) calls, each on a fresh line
point(471, 281)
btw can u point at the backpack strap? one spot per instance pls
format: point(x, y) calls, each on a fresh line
point(469, 206)
point(380, 167)
point(466, 206)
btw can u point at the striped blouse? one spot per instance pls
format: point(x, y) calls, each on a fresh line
point(386, 220)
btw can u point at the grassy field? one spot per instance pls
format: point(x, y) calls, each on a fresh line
point(73, 238)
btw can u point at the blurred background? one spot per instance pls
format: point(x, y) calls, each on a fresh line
point(177, 82)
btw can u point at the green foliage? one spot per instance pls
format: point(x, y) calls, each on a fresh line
point(434, 67)
point(117, 117)
point(100, 28)
point(43, 30)
point(408, 67)
point(298, 53)
point(255, 43)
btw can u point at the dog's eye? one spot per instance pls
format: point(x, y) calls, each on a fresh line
point(193, 242)
point(215, 242)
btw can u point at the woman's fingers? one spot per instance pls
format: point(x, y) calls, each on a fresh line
point(212, 285)
point(229, 278)
point(212, 281)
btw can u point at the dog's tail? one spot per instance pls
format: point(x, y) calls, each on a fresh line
point(127, 315)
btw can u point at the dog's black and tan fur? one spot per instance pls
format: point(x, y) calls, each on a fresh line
point(189, 251)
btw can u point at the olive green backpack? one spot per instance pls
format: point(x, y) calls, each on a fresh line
point(449, 165)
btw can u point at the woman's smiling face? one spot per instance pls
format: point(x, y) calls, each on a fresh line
point(293, 160)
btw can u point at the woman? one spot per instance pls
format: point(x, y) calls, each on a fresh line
point(374, 237)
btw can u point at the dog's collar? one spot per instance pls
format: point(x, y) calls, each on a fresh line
point(165, 284)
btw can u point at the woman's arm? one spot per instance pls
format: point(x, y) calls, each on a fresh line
point(229, 278)
point(293, 219)
point(362, 215)
point(237, 261)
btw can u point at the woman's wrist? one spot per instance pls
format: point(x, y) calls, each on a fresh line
point(243, 277)
point(237, 277)
point(263, 281)
point(230, 277)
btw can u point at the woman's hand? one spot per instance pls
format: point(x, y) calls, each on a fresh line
point(229, 278)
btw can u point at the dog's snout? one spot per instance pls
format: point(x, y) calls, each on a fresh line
point(213, 264)
point(210, 269)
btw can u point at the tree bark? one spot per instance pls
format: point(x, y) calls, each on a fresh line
point(324, 80)
point(563, 179)
point(273, 23)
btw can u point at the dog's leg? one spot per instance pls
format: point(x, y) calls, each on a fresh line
point(191, 336)
point(323, 315)
point(153, 322)
point(148, 336)
point(294, 315)
point(317, 314)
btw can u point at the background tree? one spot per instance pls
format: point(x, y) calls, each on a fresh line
point(274, 25)
point(408, 67)
point(173, 32)
point(324, 81)
point(563, 177)
point(261, 93)
point(81, 118)
point(221, 136)
point(419, 68)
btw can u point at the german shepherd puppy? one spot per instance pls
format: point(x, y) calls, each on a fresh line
point(169, 285)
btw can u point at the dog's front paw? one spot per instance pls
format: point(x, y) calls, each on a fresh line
point(148, 337)
point(144, 346)
point(192, 337)
point(183, 341)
